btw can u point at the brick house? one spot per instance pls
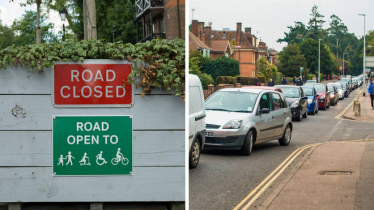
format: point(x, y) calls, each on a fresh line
point(243, 45)
point(196, 44)
point(160, 19)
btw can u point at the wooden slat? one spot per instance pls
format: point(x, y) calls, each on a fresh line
point(36, 184)
point(150, 112)
point(16, 80)
point(34, 148)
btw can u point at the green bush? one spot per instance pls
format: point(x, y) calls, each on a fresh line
point(157, 63)
point(262, 79)
point(252, 80)
point(222, 66)
point(226, 80)
point(311, 76)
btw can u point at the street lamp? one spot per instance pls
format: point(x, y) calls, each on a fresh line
point(63, 14)
point(319, 59)
point(363, 71)
point(343, 63)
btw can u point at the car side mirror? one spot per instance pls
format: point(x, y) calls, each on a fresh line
point(264, 111)
point(305, 97)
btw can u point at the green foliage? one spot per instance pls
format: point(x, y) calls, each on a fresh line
point(291, 60)
point(296, 35)
point(195, 61)
point(315, 24)
point(311, 76)
point(222, 66)
point(164, 58)
point(261, 79)
point(264, 68)
point(26, 27)
point(226, 80)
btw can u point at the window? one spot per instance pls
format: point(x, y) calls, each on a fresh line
point(277, 101)
point(265, 102)
point(162, 30)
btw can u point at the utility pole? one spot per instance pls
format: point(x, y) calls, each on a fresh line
point(319, 60)
point(343, 64)
point(363, 71)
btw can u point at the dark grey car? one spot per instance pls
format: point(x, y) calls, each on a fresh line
point(296, 99)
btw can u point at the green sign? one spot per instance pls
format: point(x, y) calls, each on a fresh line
point(92, 145)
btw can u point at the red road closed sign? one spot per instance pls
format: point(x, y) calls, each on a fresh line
point(85, 85)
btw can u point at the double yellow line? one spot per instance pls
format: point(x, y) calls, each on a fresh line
point(260, 189)
point(349, 106)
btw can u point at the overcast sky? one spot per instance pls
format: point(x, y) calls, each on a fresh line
point(269, 18)
point(11, 11)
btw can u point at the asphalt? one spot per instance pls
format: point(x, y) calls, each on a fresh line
point(225, 179)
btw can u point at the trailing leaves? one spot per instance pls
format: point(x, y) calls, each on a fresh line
point(157, 63)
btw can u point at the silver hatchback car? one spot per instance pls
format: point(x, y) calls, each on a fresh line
point(238, 118)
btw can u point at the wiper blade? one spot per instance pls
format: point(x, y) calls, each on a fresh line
point(245, 111)
point(219, 109)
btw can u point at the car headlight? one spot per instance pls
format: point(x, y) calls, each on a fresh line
point(322, 97)
point(233, 124)
point(295, 104)
point(310, 101)
point(332, 95)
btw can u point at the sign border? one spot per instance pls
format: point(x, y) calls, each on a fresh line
point(92, 61)
point(132, 143)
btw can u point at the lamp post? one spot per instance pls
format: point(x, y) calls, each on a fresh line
point(363, 71)
point(343, 64)
point(63, 14)
point(319, 60)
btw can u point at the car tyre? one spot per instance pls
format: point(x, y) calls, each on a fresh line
point(248, 144)
point(305, 115)
point(194, 154)
point(286, 138)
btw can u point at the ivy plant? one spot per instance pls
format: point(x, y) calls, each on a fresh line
point(157, 63)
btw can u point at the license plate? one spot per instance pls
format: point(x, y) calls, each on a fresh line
point(209, 134)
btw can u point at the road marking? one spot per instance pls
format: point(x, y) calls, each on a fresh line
point(267, 178)
point(279, 170)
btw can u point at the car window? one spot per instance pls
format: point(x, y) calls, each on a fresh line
point(284, 102)
point(290, 92)
point(265, 102)
point(234, 101)
point(308, 91)
point(277, 102)
point(320, 88)
point(315, 92)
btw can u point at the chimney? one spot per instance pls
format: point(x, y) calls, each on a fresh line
point(248, 30)
point(201, 31)
point(238, 34)
point(208, 36)
point(194, 27)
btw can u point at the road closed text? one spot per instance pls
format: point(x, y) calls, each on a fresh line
point(92, 84)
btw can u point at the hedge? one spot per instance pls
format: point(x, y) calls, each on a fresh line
point(226, 80)
point(262, 79)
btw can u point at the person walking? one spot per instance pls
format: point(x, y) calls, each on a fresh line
point(271, 83)
point(258, 83)
point(284, 82)
point(371, 92)
point(294, 80)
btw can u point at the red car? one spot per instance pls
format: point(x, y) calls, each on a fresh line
point(264, 88)
point(323, 95)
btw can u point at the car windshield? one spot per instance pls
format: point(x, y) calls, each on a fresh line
point(338, 86)
point(290, 92)
point(330, 87)
point(310, 81)
point(231, 101)
point(344, 85)
point(308, 91)
point(320, 88)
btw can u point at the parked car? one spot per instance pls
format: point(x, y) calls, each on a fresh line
point(238, 118)
point(339, 86)
point(334, 94)
point(296, 99)
point(346, 79)
point(264, 88)
point(312, 95)
point(323, 95)
point(345, 88)
point(196, 120)
point(311, 81)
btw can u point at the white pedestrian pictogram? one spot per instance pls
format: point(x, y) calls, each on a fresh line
point(119, 157)
point(83, 161)
point(61, 160)
point(69, 157)
point(100, 157)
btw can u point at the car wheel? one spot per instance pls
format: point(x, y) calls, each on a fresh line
point(194, 154)
point(286, 138)
point(305, 115)
point(248, 144)
point(316, 111)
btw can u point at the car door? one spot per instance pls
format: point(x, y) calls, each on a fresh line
point(279, 111)
point(265, 121)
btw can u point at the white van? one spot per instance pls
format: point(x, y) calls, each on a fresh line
point(196, 120)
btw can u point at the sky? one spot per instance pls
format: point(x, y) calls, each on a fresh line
point(269, 18)
point(11, 11)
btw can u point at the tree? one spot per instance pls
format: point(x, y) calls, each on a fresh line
point(264, 68)
point(337, 31)
point(315, 24)
point(25, 29)
point(291, 60)
point(6, 36)
point(222, 66)
point(296, 35)
point(38, 3)
point(195, 61)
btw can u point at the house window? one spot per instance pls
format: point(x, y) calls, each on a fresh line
point(162, 30)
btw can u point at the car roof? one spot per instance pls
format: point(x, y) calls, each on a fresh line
point(249, 90)
point(309, 87)
point(194, 80)
point(289, 86)
point(263, 88)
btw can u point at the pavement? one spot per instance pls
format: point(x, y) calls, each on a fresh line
point(337, 174)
